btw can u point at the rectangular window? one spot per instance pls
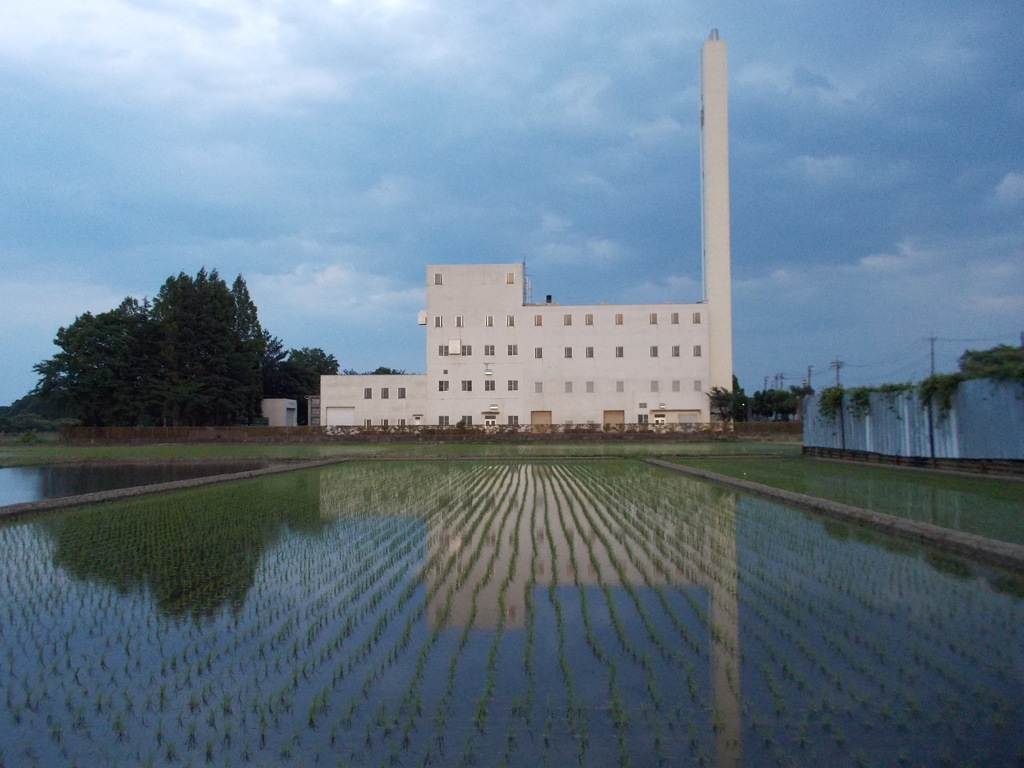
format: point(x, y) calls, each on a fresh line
point(488, 350)
point(401, 393)
point(368, 393)
point(513, 385)
point(642, 418)
point(401, 422)
point(510, 278)
point(442, 350)
point(590, 352)
point(566, 319)
point(488, 385)
point(466, 350)
point(696, 350)
point(653, 319)
point(442, 421)
point(489, 321)
point(513, 421)
point(439, 322)
point(458, 321)
point(538, 352)
point(588, 319)
point(538, 319)
point(654, 386)
point(437, 278)
point(510, 320)
point(698, 385)
point(385, 393)
point(620, 386)
point(568, 387)
point(675, 351)
point(383, 422)
point(538, 387)
point(568, 352)
point(442, 386)
point(696, 318)
point(619, 352)
point(654, 351)
point(590, 387)
point(467, 386)
point(618, 319)
point(467, 420)
point(513, 350)
point(675, 318)
point(367, 423)
point(675, 385)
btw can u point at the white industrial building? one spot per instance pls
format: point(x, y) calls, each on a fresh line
point(494, 357)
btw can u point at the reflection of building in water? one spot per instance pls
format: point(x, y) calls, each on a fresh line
point(699, 527)
point(547, 515)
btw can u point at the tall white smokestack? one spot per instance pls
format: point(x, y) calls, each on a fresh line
point(714, 158)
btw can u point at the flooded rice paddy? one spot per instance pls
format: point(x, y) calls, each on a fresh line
point(984, 505)
point(471, 613)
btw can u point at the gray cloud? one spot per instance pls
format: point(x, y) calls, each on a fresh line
point(328, 150)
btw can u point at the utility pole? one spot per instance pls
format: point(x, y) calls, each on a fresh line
point(928, 413)
point(838, 365)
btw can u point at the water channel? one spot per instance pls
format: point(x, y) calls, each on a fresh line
point(22, 484)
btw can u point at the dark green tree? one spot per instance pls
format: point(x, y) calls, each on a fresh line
point(729, 406)
point(777, 404)
point(192, 357)
point(250, 339)
point(1002, 362)
point(100, 375)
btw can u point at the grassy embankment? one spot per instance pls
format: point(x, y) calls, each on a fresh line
point(16, 454)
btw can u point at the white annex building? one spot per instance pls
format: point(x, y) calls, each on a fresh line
point(496, 358)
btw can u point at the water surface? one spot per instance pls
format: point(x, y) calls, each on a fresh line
point(465, 613)
point(22, 484)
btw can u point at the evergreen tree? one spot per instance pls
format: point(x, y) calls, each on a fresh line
point(192, 357)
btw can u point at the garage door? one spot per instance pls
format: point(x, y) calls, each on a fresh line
point(540, 418)
point(614, 417)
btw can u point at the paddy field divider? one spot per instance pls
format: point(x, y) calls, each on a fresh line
point(991, 551)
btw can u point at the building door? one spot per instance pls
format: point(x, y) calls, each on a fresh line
point(614, 417)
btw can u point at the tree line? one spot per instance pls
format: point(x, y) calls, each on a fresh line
point(195, 355)
point(764, 405)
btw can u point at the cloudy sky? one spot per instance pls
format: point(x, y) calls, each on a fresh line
point(327, 151)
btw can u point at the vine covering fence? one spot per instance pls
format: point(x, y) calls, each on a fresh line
point(985, 421)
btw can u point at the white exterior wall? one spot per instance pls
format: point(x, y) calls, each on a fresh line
point(279, 411)
point(344, 401)
point(471, 306)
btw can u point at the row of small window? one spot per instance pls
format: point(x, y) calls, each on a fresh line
point(510, 278)
point(589, 387)
point(588, 319)
point(445, 421)
point(489, 385)
point(442, 421)
point(385, 393)
point(466, 350)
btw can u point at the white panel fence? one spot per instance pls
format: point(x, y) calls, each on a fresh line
point(985, 422)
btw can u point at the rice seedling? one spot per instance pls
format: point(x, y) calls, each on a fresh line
point(430, 588)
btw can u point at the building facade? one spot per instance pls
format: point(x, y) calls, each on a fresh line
point(495, 358)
